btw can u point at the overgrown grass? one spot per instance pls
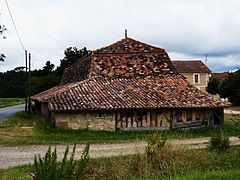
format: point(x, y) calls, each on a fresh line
point(25, 129)
point(5, 102)
point(174, 164)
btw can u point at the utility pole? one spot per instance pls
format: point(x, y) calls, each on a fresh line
point(29, 84)
point(26, 86)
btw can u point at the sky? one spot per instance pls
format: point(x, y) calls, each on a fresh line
point(187, 29)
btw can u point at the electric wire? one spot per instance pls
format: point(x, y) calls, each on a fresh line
point(15, 27)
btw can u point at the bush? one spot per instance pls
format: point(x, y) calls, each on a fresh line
point(219, 142)
point(155, 143)
point(47, 167)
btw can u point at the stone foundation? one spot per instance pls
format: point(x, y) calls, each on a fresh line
point(91, 120)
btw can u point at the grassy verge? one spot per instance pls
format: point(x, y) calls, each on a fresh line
point(5, 102)
point(25, 129)
point(172, 164)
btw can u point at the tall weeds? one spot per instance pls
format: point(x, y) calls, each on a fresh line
point(47, 167)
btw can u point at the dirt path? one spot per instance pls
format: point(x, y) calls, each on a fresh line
point(14, 156)
point(229, 111)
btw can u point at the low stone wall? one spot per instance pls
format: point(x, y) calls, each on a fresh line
point(91, 120)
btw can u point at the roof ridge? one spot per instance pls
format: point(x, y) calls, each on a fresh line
point(97, 51)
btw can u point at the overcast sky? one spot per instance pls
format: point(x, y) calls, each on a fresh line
point(187, 29)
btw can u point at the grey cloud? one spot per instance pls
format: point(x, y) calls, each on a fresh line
point(188, 27)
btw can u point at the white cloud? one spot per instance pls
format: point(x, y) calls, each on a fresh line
point(185, 27)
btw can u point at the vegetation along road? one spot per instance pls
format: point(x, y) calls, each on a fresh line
point(8, 111)
point(13, 156)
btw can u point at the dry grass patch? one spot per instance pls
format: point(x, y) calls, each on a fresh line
point(16, 132)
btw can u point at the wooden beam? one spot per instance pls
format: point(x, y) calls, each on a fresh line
point(126, 119)
point(131, 118)
point(156, 120)
point(151, 118)
point(116, 120)
point(121, 118)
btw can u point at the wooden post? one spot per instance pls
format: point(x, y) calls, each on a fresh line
point(131, 118)
point(151, 118)
point(26, 85)
point(126, 119)
point(121, 118)
point(171, 120)
point(116, 120)
point(29, 84)
point(156, 120)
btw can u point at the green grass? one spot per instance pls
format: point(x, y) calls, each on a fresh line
point(232, 174)
point(177, 164)
point(5, 102)
point(25, 129)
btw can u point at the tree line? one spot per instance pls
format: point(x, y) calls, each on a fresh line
point(13, 81)
point(229, 88)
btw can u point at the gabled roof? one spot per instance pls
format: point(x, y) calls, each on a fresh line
point(125, 58)
point(101, 93)
point(190, 66)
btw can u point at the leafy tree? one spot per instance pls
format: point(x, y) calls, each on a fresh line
point(2, 57)
point(230, 88)
point(2, 30)
point(72, 54)
point(19, 69)
point(48, 68)
point(42, 83)
point(12, 84)
point(213, 86)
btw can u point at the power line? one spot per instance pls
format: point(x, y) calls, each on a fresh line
point(15, 27)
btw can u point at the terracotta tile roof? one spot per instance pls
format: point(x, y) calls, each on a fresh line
point(45, 95)
point(165, 91)
point(125, 58)
point(193, 66)
point(220, 76)
point(128, 45)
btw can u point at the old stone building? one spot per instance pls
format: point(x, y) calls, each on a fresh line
point(195, 71)
point(128, 85)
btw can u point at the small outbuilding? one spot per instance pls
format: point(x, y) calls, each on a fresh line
point(128, 85)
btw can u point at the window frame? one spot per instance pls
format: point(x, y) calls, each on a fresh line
point(198, 75)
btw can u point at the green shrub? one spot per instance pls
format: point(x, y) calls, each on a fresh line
point(47, 167)
point(219, 142)
point(155, 143)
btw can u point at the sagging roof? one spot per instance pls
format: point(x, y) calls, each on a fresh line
point(190, 66)
point(125, 58)
point(101, 93)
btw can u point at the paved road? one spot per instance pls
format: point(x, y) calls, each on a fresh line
point(8, 111)
point(14, 156)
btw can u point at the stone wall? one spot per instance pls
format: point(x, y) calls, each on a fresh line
point(91, 120)
point(204, 79)
point(139, 119)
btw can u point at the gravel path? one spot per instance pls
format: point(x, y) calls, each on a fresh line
point(229, 111)
point(14, 156)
